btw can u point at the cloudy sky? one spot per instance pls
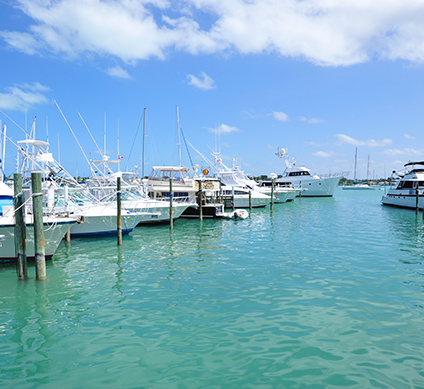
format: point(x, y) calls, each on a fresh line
point(317, 77)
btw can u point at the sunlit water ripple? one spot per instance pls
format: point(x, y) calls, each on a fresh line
point(317, 293)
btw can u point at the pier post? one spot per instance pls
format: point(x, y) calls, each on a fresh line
point(171, 213)
point(119, 211)
point(300, 187)
point(200, 197)
point(220, 192)
point(416, 201)
point(250, 199)
point(232, 198)
point(272, 193)
point(66, 195)
point(37, 211)
point(20, 243)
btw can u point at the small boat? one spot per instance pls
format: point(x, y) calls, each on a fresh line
point(359, 185)
point(237, 214)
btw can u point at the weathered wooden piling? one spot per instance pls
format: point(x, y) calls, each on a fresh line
point(199, 200)
point(20, 233)
point(250, 199)
point(272, 192)
point(119, 211)
point(171, 213)
point(37, 211)
point(417, 199)
point(66, 195)
point(232, 198)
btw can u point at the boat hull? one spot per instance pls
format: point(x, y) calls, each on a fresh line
point(53, 235)
point(315, 187)
point(209, 211)
point(408, 201)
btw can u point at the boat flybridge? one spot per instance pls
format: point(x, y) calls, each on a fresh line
point(410, 183)
point(63, 195)
point(238, 187)
point(300, 177)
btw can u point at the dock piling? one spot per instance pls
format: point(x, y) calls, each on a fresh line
point(272, 193)
point(37, 210)
point(199, 200)
point(171, 213)
point(119, 211)
point(20, 233)
point(66, 195)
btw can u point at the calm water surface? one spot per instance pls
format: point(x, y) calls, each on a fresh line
point(318, 293)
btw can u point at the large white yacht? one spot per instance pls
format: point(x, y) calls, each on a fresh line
point(301, 178)
point(404, 194)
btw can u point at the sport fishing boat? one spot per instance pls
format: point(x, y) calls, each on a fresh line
point(282, 193)
point(54, 227)
point(239, 189)
point(411, 183)
point(301, 178)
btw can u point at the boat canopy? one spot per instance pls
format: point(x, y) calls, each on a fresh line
point(33, 142)
point(414, 163)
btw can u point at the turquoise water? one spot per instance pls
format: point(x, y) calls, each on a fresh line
point(319, 293)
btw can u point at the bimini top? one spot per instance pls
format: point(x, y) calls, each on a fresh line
point(171, 168)
point(414, 163)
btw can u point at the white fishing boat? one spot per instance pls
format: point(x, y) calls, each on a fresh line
point(54, 227)
point(301, 178)
point(282, 193)
point(63, 195)
point(410, 183)
point(238, 190)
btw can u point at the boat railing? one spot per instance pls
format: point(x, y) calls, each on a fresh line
point(336, 174)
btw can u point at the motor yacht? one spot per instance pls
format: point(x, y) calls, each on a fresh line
point(410, 183)
point(300, 177)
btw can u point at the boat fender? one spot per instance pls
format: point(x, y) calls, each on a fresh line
point(81, 220)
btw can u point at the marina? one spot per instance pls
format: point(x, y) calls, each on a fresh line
point(318, 292)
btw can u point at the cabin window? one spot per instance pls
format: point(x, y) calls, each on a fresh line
point(405, 185)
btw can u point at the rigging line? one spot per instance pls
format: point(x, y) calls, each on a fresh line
point(185, 142)
point(66, 121)
point(14, 123)
point(98, 148)
point(132, 146)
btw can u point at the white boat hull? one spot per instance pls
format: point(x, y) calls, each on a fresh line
point(313, 187)
point(54, 231)
point(404, 200)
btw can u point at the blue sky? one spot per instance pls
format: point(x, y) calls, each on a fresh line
point(318, 78)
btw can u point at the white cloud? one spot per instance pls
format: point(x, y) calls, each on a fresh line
point(223, 129)
point(311, 120)
point(20, 97)
point(323, 154)
point(204, 82)
point(117, 71)
point(410, 137)
point(327, 33)
point(411, 153)
point(368, 143)
point(280, 116)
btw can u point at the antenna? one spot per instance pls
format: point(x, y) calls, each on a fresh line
point(144, 136)
point(178, 130)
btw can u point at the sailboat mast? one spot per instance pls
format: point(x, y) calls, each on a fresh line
point(368, 167)
point(179, 143)
point(144, 138)
point(356, 159)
